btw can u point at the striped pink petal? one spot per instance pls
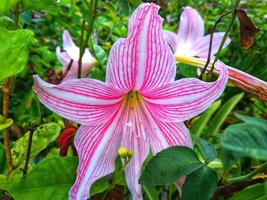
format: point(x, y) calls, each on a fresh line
point(171, 38)
point(191, 29)
point(81, 100)
point(97, 147)
point(201, 46)
point(143, 60)
point(134, 137)
point(183, 99)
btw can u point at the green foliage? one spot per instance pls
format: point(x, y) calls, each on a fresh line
point(53, 177)
point(200, 124)
point(38, 5)
point(201, 184)
point(169, 165)
point(6, 5)
point(5, 124)
point(207, 150)
point(14, 44)
point(42, 137)
point(2, 157)
point(246, 140)
point(255, 192)
point(223, 112)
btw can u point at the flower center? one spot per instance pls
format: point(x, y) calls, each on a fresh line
point(132, 99)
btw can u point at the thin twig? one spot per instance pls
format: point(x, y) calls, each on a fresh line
point(25, 169)
point(6, 98)
point(210, 42)
point(67, 70)
point(224, 37)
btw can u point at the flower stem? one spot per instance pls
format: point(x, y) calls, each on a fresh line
point(224, 37)
point(248, 176)
point(25, 169)
point(6, 98)
point(81, 50)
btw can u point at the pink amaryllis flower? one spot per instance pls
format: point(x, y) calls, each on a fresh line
point(139, 106)
point(190, 39)
point(190, 42)
point(71, 51)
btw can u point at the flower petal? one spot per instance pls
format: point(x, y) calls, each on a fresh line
point(171, 39)
point(80, 100)
point(143, 60)
point(68, 45)
point(97, 147)
point(183, 99)
point(201, 46)
point(134, 138)
point(191, 28)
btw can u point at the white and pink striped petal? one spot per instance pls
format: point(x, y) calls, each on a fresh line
point(97, 147)
point(84, 101)
point(191, 28)
point(183, 99)
point(143, 60)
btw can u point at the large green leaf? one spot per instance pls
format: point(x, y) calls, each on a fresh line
point(223, 112)
point(14, 51)
point(245, 139)
point(207, 150)
point(3, 182)
point(170, 165)
point(42, 137)
point(199, 125)
point(5, 5)
point(51, 179)
point(200, 185)
point(254, 192)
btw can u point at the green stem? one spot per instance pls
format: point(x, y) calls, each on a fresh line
point(248, 176)
point(82, 48)
point(224, 37)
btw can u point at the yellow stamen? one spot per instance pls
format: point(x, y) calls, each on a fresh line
point(123, 152)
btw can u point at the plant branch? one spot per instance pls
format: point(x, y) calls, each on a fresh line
point(6, 133)
point(67, 70)
point(81, 50)
point(25, 169)
point(224, 37)
point(210, 42)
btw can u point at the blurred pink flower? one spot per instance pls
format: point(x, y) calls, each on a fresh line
point(190, 39)
point(71, 51)
point(139, 106)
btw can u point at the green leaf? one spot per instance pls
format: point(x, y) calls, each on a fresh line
point(2, 157)
point(5, 5)
point(99, 186)
point(14, 51)
point(7, 23)
point(246, 140)
point(252, 120)
point(42, 137)
point(52, 178)
point(3, 182)
point(7, 123)
point(200, 185)
point(170, 165)
point(207, 150)
point(223, 112)
point(100, 55)
point(39, 5)
point(199, 125)
point(150, 192)
point(255, 192)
